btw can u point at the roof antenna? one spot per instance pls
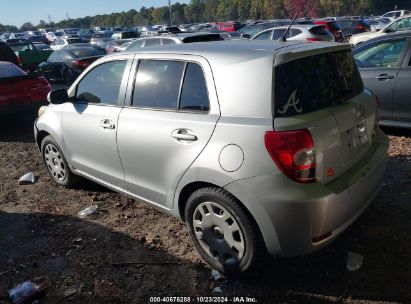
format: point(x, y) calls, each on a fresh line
point(282, 38)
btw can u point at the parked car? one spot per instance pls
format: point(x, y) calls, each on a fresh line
point(125, 35)
point(180, 38)
point(52, 36)
point(61, 42)
point(7, 54)
point(395, 14)
point(29, 56)
point(258, 146)
point(351, 27)
point(400, 24)
point(384, 64)
point(377, 24)
point(20, 92)
point(66, 65)
point(115, 45)
point(231, 26)
point(85, 34)
point(100, 38)
point(253, 29)
point(309, 32)
point(333, 27)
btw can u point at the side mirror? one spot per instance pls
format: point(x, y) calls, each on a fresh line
point(58, 96)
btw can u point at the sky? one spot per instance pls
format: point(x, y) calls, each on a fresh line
point(21, 11)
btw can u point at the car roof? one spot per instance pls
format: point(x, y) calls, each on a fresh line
point(402, 34)
point(234, 50)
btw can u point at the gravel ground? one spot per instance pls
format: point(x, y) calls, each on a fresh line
point(127, 252)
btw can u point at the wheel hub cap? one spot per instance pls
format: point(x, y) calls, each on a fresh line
point(218, 233)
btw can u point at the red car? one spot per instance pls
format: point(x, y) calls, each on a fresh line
point(332, 26)
point(20, 92)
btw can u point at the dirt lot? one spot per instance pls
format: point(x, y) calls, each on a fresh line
point(127, 252)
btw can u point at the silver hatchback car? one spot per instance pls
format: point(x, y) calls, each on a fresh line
point(262, 148)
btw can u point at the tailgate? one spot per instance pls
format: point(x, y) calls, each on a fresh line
point(323, 92)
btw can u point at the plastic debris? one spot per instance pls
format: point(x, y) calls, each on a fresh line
point(354, 261)
point(27, 179)
point(217, 290)
point(69, 292)
point(24, 291)
point(89, 210)
point(215, 275)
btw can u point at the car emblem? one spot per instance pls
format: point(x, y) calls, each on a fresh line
point(360, 111)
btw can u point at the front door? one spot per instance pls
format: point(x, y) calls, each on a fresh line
point(90, 122)
point(379, 64)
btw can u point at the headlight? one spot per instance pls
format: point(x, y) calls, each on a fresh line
point(42, 110)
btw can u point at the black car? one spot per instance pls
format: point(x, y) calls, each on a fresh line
point(351, 27)
point(7, 54)
point(67, 64)
point(385, 67)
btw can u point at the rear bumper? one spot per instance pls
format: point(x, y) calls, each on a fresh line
point(22, 107)
point(290, 215)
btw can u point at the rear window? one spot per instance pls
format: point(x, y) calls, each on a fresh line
point(203, 38)
point(319, 30)
point(316, 82)
point(10, 70)
point(87, 52)
point(333, 26)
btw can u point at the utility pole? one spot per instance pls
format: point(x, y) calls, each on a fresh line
point(169, 8)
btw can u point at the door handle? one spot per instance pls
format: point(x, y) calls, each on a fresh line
point(184, 134)
point(384, 77)
point(107, 124)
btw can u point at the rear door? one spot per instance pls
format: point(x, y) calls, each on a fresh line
point(170, 118)
point(379, 64)
point(324, 94)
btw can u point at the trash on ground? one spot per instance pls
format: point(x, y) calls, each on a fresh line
point(89, 210)
point(24, 291)
point(27, 179)
point(69, 292)
point(215, 275)
point(217, 290)
point(354, 261)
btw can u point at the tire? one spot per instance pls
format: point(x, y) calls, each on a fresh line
point(56, 163)
point(227, 238)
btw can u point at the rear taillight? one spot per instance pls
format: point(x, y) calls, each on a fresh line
point(81, 64)
point(314, 39)
point(19, 60)
point(294, 153)
point(360, 27)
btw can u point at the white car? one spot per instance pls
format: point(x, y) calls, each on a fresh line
point(61, 42)
point(52, 36)
point(400, 24)
point(395, 14)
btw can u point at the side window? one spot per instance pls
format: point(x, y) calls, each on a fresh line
point(295, 32)
point(135, 45)
point(158, 84)
point(165, 41)
point(384, 54)
point(279, 33)
point(102, 84)
point(194, 94)
point(151, 42)
point(263, 36)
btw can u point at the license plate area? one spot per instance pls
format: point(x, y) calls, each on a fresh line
point(354, 140)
